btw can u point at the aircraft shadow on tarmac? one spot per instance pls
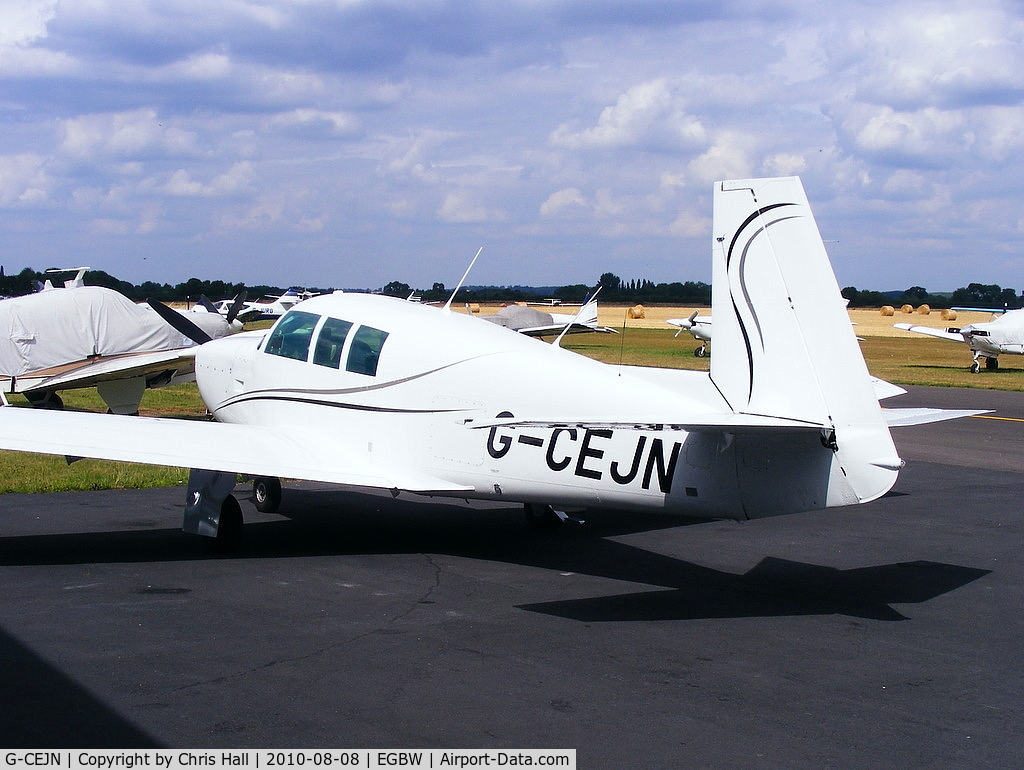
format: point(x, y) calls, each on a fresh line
point(345, 523)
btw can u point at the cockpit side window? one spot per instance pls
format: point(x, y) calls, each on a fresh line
point(329, 343)
point(365, 351)
point(292, 335)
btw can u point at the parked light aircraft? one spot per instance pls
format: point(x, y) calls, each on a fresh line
point(84, 336)
point(538, 323)
point(271, 308)
point(987, 340)
point(378, 392)
point(699, 327)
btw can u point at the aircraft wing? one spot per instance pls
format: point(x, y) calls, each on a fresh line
point(92, 371)
point(247, 449)
point(576, 328)
point(931, 331)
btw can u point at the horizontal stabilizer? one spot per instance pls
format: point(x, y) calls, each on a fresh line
point(723, 423)
point(901, 418)
point(885, 389)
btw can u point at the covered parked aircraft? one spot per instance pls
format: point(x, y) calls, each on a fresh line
point(85, 336)
point(377, 392)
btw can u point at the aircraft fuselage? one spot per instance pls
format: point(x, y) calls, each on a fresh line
point(440, 389)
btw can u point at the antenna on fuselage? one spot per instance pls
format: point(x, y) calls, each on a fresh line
point(448, 304)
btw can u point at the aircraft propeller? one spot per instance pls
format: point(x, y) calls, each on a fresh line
point(237, 304)
point(179, 322)
point(205, 302)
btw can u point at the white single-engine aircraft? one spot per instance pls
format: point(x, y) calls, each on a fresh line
point(698, 326)
point(987, 340)
point(270, 308)
point(378, 392)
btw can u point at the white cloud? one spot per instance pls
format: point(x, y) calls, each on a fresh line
point(647, 114)
point(941, 56)
point(316, 121)
point(237, 178)
point(925, 136)
point(200, 66)
point(461, 207)
point(562, 201)
point(24, 21)
point(123, 135)
point(23, 180)
point(725, 159)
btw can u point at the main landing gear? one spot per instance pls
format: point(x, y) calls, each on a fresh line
point(212, 511)
point(266, 494)
point(991, 363)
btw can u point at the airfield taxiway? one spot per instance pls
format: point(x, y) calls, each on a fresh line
point(882, 635)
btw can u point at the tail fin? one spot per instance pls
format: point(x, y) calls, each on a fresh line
point(784, 344)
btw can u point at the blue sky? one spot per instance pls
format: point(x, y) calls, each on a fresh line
point(355, 142)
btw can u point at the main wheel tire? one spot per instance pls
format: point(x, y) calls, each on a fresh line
point(541, 517)
point(992, 363)
point(266, 494)
point(229, 526)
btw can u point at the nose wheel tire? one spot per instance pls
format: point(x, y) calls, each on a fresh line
point(266, 494)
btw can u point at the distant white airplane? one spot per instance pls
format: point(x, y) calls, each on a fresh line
point(374, 391)
point(698, 326)
point(84, 336)
point(271, 308)
point(987, 340)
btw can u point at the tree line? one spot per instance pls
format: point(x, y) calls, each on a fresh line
point(28, 280)
point(613, 289)
point(979, 295)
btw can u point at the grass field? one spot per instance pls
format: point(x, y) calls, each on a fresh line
point(899, 357)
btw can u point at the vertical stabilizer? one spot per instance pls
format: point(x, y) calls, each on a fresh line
point(784, 344)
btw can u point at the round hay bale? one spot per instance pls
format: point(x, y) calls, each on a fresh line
point(907, 309)
point(948, 315)
point(888, 310)
point(924, 310)
point(637, 312)
point(473, 307)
